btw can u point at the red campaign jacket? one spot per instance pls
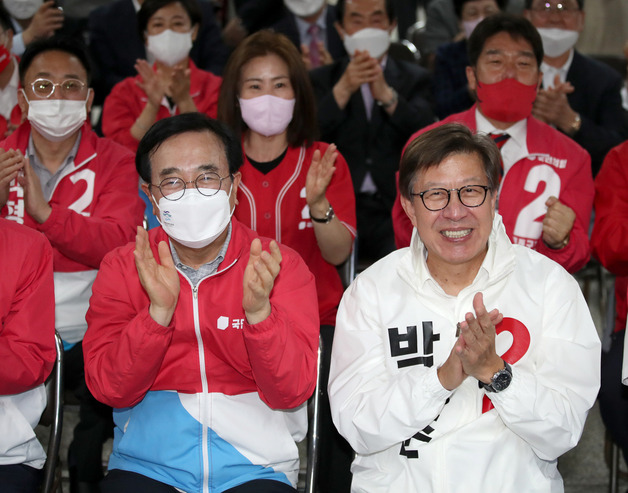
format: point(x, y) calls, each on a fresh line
point(274, 205)
point(95, 207)
point(27, 346)
point(609, 240)
point(14, 119)
point(127, 353)
point(555, 165)
point(126, 102)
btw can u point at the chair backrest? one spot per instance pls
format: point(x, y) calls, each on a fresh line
point(416, 34)
point(347, 268)
point(404, 50)
point(53, 417)
point(313, 431)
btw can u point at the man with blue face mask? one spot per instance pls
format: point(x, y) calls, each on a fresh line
point(581, 96)
point(368, 104)
point(77, 189)
point(212, 350)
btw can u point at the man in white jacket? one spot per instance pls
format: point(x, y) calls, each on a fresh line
point(434, 391)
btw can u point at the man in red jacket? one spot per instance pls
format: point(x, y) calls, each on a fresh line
point(202, 336)
point(27, 351)
point(81, 192)
point(608, 244)
point(546, 191)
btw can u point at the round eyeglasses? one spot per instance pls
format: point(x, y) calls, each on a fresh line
point(436, 199)
point(545, 9)
point(207, 184)
point(44, 88)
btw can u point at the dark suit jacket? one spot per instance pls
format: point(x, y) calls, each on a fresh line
point(597, 99)
point(258, 14)
point(115, 44)
point(451, 91)
point(288, 25)
point(373, 145)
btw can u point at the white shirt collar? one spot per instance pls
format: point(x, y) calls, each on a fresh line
point(303, 27)
point(549, 72)
point(516, 147)
point(498, 262)
point(136, 5)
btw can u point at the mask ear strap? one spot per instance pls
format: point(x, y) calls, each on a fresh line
point(229, 195)
point(24, 93)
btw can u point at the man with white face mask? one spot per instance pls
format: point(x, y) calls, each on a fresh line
point(368, 105)
point(581, 96)
point(77, 189)
point(309, 24)
point(213, 349)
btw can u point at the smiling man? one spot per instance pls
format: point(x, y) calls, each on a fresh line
point(546, 188)
point(435, 392)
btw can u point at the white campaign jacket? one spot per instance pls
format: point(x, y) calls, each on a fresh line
point(396, 326)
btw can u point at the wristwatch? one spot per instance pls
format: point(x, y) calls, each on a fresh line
point(329, 215)
point(500, 380)
point(575, 125)
point(393, 100)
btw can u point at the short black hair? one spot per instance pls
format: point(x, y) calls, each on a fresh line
point(431, 148)
point(516, 25)
point(71, 46)
point(149, 7)
point(5, 19)
point(180, 124)
point(340, 10)
point(528, 4)
point(459, 3)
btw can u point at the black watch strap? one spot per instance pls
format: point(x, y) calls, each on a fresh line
point(329, 215)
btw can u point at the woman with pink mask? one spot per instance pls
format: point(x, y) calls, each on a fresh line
point(294, 189)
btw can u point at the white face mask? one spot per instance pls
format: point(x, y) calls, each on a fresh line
point(267, 115)
point(557, 41)
point(469, 26)
point(195, 220)
point(22, 9)
point(56, 119)
point(375, 41)
point(169, 47)
point(303, 8)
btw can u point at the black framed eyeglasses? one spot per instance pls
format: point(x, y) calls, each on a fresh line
point(436, 199)
point(207, 184)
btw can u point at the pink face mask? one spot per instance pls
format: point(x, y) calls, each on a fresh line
point(267, 115)
point(507, 100)
point(469, 26)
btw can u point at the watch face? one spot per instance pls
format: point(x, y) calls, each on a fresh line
point(501, 381)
